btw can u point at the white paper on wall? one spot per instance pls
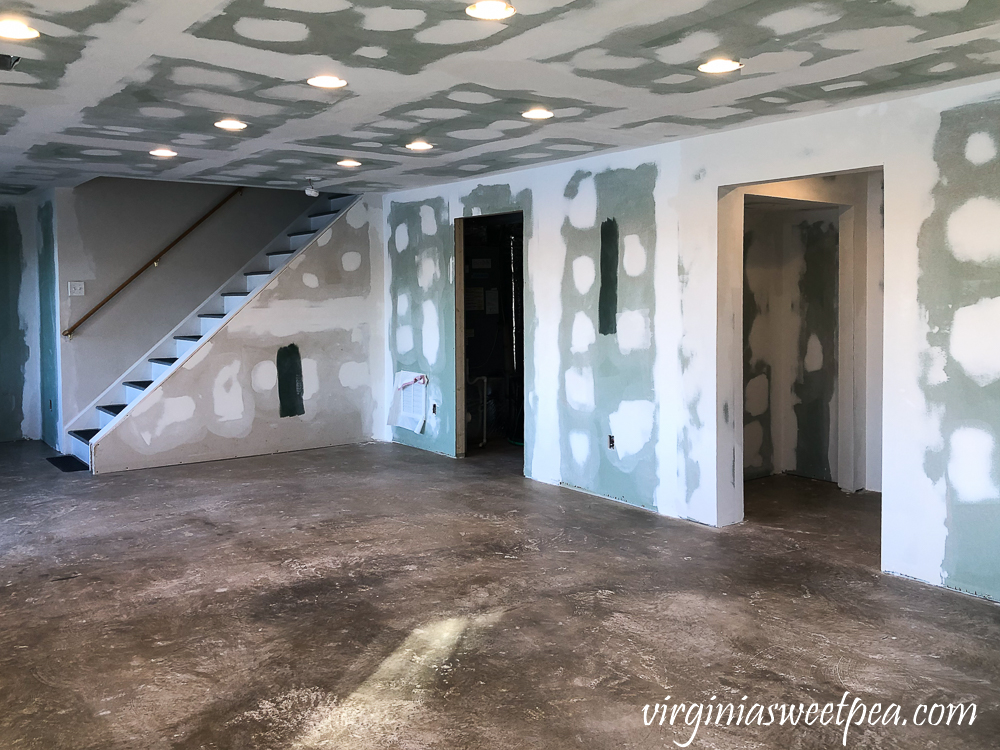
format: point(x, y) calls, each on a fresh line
point(409, 401)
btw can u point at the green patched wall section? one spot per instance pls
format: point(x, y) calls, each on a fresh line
point(13, 334)
point(421, 323)
point(605, 349)
point(606, 335)
point(959, 291)
point(49, 330)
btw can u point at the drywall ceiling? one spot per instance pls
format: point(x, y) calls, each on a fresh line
point(111, 79)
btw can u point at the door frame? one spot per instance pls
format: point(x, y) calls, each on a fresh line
point(860, 324)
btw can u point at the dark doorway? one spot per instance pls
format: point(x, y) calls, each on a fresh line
point(493, 333)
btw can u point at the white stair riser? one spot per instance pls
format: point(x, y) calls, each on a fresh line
point(320, 221)
point(256, 280)
point(132, 394)
point(159, 369)
point(183, 347)
point(275, 262)
point(231, 303)
point(208, 325)
point(296, 243)
point(79, 449)
point(104, 419)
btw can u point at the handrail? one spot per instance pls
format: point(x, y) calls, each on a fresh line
point(69, 331)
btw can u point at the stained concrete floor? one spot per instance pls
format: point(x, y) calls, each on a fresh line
point(378, 597)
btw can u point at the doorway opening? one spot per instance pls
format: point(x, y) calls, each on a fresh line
point(800, 375)
point(490, 335)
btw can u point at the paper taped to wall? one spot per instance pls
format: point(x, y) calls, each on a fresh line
point(409, 401)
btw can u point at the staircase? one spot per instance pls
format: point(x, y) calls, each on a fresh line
point(185, 339)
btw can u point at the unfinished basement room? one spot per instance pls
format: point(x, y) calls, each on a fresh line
point(418, 375)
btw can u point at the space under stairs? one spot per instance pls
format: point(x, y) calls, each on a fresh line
point(182, 342)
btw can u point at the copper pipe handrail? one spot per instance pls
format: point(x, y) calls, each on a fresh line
point(69, 331)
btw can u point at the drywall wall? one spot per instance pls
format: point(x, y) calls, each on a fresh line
point(300, 366)
point(20, 394)
point(790, 322)
point(108, 228)
point(48, 334)
point(695, 335)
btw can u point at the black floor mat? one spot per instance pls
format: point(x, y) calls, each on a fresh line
point(68, 463)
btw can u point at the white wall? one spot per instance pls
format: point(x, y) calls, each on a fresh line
point(109, 227)
point(694, 312)
point(223, 399)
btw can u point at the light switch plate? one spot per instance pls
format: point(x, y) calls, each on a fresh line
point(76, 289)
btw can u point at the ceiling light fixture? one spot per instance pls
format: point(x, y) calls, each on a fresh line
point(419, 146)
point(327, 82)
point(537, 113)
point(311, 191)
point(231, 125)
point(349, 163)
point(491, 10)
point(163, 153)
point(13, 29)
point(720, 65)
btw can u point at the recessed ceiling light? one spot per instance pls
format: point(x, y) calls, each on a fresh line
point(537, 113)
point(327, 82)
point(720, 65)
point(491, 10)
point(419, 146)
point(231, 125)
point(13, 29)
point(163, 153)
point(349, 163)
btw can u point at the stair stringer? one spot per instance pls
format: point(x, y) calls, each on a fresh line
point(222, 400)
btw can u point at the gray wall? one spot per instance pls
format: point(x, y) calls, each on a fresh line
point(109, 227)
point(20, 413)
point(229, 397)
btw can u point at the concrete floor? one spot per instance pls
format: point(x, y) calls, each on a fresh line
point(379, 597)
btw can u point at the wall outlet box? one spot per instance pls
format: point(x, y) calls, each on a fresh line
point(611, 442)
point(76, 289)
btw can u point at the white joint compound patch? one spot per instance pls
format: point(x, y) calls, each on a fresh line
point(351, 261)
point(757, 397)
point(357, 217)
point(634, 257)
point(402, 236)
point(324, 239)
point(582, 209)
point(632, 426)
point(427, 272)
point(354, 374)
point(814, 354)
point(799, 19)
point(926, 7)
point(175, 410)
point(579, 446)
point(428, 221)
point(966, 237)
point(227, 393)
point(580, 388)
point(980, 149)
point(310, 280)
point(970, 465)
point(972, 333)
point(584, 274)
point(310, 378)
point(584, 335)
point(402, 304)
point(430, 332)
point(264, 376)
point(634, 333)
point(199, 354)
point(404, 339)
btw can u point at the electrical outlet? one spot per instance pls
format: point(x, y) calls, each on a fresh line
point(434, 408)
point(76, 289)
point(611, 442)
